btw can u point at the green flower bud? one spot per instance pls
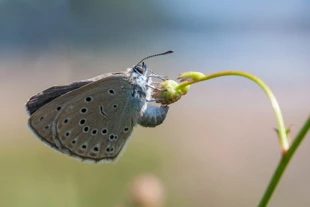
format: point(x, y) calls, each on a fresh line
point(167, 92)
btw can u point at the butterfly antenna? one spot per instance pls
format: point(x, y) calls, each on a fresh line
point(164, 53)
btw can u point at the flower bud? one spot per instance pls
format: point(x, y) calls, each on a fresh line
point(168, 93)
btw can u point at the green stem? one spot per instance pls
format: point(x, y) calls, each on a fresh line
point(283, 164)
point(281, 127)
point(287, 152)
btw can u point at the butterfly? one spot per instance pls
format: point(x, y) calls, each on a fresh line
point(92, 120)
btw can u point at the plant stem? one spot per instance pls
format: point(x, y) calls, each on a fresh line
point(287, 151)
point(283, 164)
point(281, 127)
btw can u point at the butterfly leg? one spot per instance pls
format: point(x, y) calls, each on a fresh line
point(163, 78)
point(154, 88)
point(153, 116)
point(155, 83)
point(156, 99)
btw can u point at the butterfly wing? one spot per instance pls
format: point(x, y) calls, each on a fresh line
point(92, 122)
point(39, 100)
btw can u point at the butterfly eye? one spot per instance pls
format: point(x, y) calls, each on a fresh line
point(139, 69)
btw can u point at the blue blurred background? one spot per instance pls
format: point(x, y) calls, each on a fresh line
point(217, 146)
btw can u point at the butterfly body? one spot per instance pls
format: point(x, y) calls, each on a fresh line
point(93, 119)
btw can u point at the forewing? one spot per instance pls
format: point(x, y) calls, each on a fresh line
point(46, 96)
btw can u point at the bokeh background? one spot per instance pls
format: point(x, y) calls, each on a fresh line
point(217, 146)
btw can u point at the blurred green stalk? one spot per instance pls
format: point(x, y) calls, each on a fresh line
point(283, 164)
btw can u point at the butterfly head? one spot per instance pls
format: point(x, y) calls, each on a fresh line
point(140, 69)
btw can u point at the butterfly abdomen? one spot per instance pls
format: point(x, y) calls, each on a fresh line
point(153, 115)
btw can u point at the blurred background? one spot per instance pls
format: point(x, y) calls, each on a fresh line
point(217, 146)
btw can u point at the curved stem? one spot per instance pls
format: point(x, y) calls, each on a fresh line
point(283, 164)
point(287, 151)
point(281, 127)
